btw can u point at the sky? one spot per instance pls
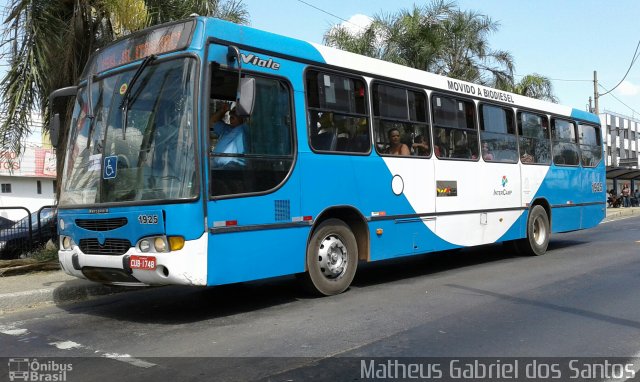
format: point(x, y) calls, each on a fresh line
point(565, 40)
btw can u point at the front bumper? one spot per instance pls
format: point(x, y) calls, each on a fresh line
point(187, 266)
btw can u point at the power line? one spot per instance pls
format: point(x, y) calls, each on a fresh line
point(609, 91)
point(633, 61)
point(330, 14)
point(557, 79)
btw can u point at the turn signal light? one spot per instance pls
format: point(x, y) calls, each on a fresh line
point(176, 243)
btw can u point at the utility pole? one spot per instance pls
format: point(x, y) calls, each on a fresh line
point(595, 92)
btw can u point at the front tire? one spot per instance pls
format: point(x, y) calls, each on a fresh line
point(538, 233)
point(332, 258)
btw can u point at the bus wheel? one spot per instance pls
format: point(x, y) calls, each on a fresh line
point(332, 258)
point(538, 233)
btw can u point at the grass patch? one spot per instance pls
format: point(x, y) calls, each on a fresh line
point(44, 254)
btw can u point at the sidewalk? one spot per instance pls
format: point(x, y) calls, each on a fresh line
point(619, 212)
point(45, 288)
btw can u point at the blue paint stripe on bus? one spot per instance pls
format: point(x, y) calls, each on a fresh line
point(244, 35)
point(585, 116)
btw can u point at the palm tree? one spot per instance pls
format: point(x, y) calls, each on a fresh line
point(409, 37)
point(535, 86)
point(46, 44)
point(467, 55)
point(161, 11)
point(414, 37)
point(436, 37)
point(364, 42)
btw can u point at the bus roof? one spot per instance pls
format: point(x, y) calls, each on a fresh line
point(291, 48)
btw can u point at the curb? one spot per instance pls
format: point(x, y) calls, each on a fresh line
point(45, 288)
point(618, 212)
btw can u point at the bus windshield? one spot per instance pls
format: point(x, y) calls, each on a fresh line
point(153, 158)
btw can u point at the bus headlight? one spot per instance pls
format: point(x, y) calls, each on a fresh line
point(160, 244)
point(153, 244)
point(144, 245)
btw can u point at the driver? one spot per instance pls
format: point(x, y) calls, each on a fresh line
point(231, 137)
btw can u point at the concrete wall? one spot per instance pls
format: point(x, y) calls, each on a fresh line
point(24, 194)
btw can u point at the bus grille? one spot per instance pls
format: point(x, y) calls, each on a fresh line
point(113, 247)
point(101, 224)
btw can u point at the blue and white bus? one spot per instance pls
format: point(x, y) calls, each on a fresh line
point(341, 159)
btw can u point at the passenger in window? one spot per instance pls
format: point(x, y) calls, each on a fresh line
point(231, 137)
point(526, 157)
point(441, 144)
point(395, 146)
point(360, 142)
point(420, 146)
point(486, 152)
point(460, 145)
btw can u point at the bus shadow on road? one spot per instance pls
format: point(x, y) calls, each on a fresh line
point(381, 272)
point(172, 305)
point(384, 271)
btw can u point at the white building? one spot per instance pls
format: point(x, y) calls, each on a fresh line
point(621, 134)
point(28, 180)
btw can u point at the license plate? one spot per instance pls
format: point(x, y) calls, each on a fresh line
point(147, 263)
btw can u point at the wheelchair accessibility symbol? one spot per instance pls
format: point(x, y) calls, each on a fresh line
point(110, 167)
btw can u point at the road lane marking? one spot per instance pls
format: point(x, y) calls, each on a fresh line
point(13, 331)
point(126, 358)
point(66, 345)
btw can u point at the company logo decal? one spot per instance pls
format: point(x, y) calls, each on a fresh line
point(504, 191)
point(252, 59)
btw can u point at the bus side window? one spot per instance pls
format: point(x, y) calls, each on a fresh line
point(590, 145)
point(337, 113)
point(398, 110)
point(498, 134)
point(267, 136)
point(534, 143)
point(565, 146)
point(454, 128)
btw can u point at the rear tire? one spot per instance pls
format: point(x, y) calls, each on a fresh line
point(332, 258)
point(538, 233)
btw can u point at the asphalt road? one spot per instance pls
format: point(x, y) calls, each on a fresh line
point(579, 300)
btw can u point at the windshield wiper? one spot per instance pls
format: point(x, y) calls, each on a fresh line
point(126, 99)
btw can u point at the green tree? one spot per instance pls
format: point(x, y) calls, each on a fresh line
point(440, 38)
point(409, 37)
point(466, 54)
point(47, 42)
point(362, 42)
point(414, 37)
point(534, 86)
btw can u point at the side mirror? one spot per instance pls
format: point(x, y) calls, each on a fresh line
point(54, 130)
point(54, 125)
point(246, 97)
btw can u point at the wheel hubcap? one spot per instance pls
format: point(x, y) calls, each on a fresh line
point(539, 231)
point(332, 257)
